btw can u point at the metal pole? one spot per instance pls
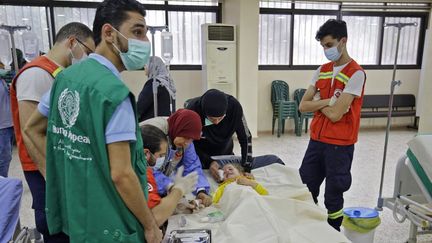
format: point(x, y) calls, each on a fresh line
point(392, 88)
point(155, 84)
point(153, 41)
point(14, 54)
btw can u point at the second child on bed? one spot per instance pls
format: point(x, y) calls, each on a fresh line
point(234, 173)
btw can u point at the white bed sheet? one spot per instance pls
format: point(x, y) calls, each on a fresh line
point(288, 214)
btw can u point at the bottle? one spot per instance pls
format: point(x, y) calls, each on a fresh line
point(30, 45)
point(167, 46)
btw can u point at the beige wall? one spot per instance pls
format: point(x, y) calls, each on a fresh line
point(245, 15)
point(188, 84)
point(425, 123)
point(378, 82)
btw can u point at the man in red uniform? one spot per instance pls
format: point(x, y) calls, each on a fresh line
point(335, 95)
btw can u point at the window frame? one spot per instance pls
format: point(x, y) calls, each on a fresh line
point(51, 4)
point(424, 16)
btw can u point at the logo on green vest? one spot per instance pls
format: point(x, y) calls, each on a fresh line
point(68, 105)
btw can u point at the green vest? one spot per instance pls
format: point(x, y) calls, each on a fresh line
point(81, 199)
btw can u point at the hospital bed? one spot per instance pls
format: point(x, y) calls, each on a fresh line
point(287, 214)
point(412, 195)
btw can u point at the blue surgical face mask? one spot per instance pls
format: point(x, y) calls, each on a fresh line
point(207, 122)
point(138, 53)
point(159, 163)
point(333, 53)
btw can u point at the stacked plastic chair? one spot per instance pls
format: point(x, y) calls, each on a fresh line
point(303, 116)
point(283, 107)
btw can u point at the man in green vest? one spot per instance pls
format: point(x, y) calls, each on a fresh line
point(95, 163)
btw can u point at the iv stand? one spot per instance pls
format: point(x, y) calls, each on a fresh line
point(153, 30)
point(393, 84)
point(11, 30)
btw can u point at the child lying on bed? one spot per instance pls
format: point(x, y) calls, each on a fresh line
point(233, 172)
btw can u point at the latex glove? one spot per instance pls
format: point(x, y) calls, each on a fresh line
point(317, 96)
point(188, 206)
point(186, 184)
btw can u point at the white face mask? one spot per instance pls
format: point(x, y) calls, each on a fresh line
point(77, 60)
point(159, 163)
point(3, 72)
point(333, 53)
point(207, 122)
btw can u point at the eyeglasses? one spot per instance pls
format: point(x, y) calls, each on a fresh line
point(87, 48)
point(156, 157)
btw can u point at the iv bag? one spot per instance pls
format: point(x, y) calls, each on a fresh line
point(167, 46)
point(5, 48)
point(30, 45)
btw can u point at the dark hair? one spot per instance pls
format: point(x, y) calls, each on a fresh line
point(79, 30)
point(152, 137)
point(20, 58)
point(336, 28)
point(114, 12)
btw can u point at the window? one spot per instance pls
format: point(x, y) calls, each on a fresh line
point(275, 4)
point(274, 39)
point(62, 16)
point(35, 17)
point(151, 2)
point(81, 0)
point(307, 50)
point(363, 38)
point(155, 18)
point(287, 32)
point(316, 5)
point(186, 30)
point(408, 46)
point(184, 19)
point(195, 3)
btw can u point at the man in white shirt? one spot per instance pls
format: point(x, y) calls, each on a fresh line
point(73, 42)
point(335, 95)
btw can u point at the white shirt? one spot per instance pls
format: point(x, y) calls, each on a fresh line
point(354, 85)
point(33, 83)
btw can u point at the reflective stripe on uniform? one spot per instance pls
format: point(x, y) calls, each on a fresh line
point(325, 75)
point(57, 71)
point(335, 215)
point(343, 78)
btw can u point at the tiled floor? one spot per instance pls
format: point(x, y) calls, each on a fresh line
point(366, 172)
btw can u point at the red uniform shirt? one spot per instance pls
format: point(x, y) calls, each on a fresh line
point(344, 131)
point(154, 198)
